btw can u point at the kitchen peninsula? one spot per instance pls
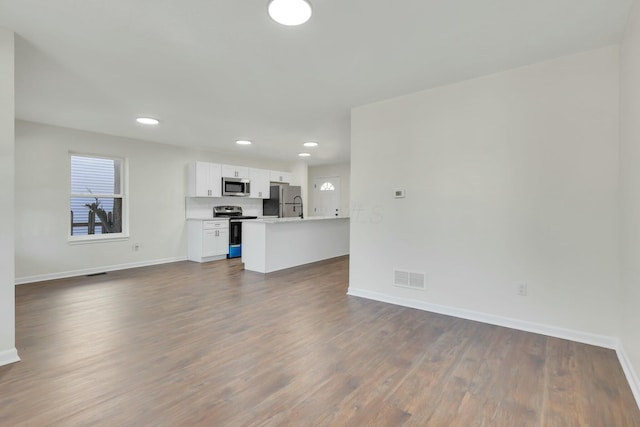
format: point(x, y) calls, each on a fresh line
point(273, 244)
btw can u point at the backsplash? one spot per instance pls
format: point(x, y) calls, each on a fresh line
point(202, 207)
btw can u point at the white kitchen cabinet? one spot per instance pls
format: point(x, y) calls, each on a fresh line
point(260, 182)
point(204, 180)
point(207, 240)
point(277, 176)
point(215, 242)
point(229, 171)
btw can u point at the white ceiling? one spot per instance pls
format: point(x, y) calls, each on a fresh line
point(214, 71)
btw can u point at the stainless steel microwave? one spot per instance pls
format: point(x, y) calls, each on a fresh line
point(239, 187)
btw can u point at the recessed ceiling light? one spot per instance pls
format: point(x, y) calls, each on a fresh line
point(304, 154)
point(147, 121)
point(289, 12)
point(243, 142)
point(310, 144)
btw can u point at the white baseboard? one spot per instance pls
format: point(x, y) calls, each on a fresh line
point(94, 270)
point(537, 328)
point(9, 356)
point(630, 373)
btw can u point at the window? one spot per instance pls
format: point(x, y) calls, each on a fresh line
point(327, 186)
point(97, 197)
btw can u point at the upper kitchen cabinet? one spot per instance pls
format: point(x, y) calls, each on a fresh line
point(259, 183)
point(284, 177)
point(204, 180)
point(229, 171)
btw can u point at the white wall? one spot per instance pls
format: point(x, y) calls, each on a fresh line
point(157, 189)
point(509, 178)
point(343, 170)
point(630, 194)
point(8, 352)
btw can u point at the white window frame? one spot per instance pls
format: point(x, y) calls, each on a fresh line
point(124, 194)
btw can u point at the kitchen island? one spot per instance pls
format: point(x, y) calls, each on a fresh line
point(273, 244)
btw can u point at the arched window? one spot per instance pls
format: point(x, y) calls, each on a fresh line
point(327, 186)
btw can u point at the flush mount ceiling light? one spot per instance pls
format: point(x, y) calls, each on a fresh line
point(243, 142)
point(310, 144)
point(147, 121)
point(304, 154)
point(289, 12)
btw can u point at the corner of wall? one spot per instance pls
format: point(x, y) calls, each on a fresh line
point(629, 372)
point(9, 356)
point(7, 195)
point(629, 161)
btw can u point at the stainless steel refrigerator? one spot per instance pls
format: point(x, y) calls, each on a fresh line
point(285, 201)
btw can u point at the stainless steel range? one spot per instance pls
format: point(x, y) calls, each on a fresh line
point(234, 213)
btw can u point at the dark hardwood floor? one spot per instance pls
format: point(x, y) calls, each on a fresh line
point(209, 344)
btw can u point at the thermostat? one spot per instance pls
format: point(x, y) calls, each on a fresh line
point(398, 194)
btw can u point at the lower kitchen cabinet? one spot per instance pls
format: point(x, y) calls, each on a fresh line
point(207, 240)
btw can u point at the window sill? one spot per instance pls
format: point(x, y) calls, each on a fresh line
point(101, 238)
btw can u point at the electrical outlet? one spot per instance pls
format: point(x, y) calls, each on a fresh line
point(136, 247)
point(522, 289)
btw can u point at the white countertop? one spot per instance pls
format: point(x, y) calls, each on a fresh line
point(208, 219)
point(273, 220)
point(297, 219)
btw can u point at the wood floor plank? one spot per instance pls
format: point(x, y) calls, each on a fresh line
point(214, 345)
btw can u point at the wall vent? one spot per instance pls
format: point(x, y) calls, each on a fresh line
point(408, 279)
